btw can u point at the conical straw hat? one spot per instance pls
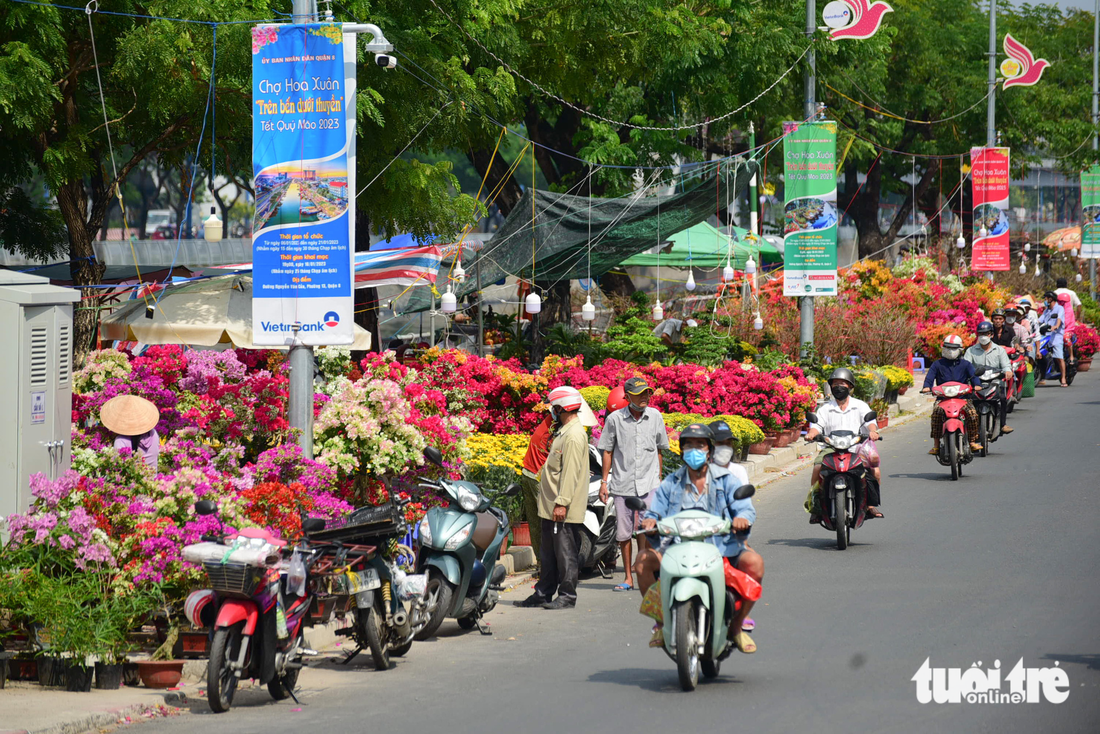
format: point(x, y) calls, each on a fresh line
point(129, 415)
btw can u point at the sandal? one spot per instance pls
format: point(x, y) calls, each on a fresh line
point(623, 587)
point(873, 512)
point(744, 643)
point(658, 638)
point(748, 625)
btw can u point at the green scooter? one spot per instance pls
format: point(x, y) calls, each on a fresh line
point(696, 605)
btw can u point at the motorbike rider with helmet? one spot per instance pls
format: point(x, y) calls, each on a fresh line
point(841, 412)
point(1014, 319)
point(993, 357)
point(703, 485)
point(1003, 334)
point(951, 367)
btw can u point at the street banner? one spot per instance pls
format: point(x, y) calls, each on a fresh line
point(303, 177)
point(1090, 213)
point(989, 178)
point(810, 223)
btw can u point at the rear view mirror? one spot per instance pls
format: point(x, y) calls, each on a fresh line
point(979, 371)
point(744, 492)
point(313, 525)
point(871, 416)
point(512, 489)
point(635, 503)
point(206, 507)
point(811, 417)
point(434, 455)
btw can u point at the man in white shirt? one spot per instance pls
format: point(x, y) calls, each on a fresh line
point(1061, 289)
point(841, 412)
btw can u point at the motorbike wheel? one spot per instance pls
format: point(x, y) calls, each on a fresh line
point(711, 667)
point(377, 635)
point(953, 455)
point(281, 686)
point(584, 552)
point(400, 650)
point(467, 623)
point(687, 646)
point(1071, 371)
point(983, 433)
point(221, 683)
point(842, 528)
point(439, 600)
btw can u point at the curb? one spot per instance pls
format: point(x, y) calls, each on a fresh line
point(110, 717)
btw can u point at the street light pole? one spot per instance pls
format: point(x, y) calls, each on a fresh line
point(991, 109)
point(809, 111)
point(1095, 121)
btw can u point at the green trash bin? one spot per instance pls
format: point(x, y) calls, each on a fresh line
point(1028, 388)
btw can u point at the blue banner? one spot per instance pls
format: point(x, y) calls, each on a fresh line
point(303, 168)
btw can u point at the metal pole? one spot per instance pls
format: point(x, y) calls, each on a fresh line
point(754, 196)
point(301, 11)
point(480, 317)
point(809, 110)
point(991, 110)
point(1095, 121)
point(300, 400)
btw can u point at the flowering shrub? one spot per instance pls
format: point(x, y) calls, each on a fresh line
point(505, 452)
point(1088, 340)
point(896, 377)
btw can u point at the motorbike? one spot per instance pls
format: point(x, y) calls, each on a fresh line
point(256, 608)
point(987, 400)
point(598, 549)
point(954, 441)
point(1045, 364)
point(1018, 357)
point(459, 548)
point(845, 476)
point(696, 605)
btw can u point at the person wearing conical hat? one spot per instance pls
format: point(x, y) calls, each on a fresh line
point(133, 420)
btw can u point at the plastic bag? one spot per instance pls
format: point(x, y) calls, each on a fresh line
point(746, 586)
point(296, 576)
point(869, 453)
point(410, 586)
point(651, 603)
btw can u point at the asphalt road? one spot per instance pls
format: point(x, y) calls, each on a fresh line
point(1000, 565)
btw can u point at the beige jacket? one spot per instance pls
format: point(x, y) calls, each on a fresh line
point(564, 477)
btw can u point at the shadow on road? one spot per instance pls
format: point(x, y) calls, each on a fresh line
point(934, 476)
point(1091, 661)
point(658, 681)
point(823, 543)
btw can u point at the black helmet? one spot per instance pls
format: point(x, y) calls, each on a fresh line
point(998, 312)
point(1051, 295)
point(720, 431)
point(698, 430)
point(842, 373)
point(986, 327)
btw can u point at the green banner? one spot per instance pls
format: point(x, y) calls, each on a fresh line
point(1090, 213)
point(810, 223)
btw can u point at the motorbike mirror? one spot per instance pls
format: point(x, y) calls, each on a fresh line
point(871, 416)
point(512, 489)
point(811, 417)
point(635, 503)
point(313, 525)
point(206, 507)
point(979, 371)
point(744, 492)
point(434, 455)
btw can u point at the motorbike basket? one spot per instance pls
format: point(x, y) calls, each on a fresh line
point(365, 523)
point(234, 579)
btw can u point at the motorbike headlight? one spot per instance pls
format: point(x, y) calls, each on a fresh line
point(951, 391)
point(458, 538)
point(468, 500)
point(841, 483)
point(425, 532)
point(696, 527)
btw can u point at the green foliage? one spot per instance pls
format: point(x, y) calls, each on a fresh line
point(566, 342)
point(631, 336)
point(29, 228)
point(712, 345)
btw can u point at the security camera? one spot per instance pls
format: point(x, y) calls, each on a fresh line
point(385, 61)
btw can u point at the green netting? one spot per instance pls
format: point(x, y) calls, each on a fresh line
point(703, 246)
point(620, 227)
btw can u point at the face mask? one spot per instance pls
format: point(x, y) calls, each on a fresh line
point(1010, 320)
point(840, 392)
point(983, 340)
point(695, 458)
point(950, 353)
point(723, 455)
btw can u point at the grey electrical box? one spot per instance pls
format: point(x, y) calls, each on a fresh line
point(36, 383)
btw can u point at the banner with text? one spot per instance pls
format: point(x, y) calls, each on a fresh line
point(1090, 213)
point(303, 176)
point(989, 179)
point(810, 224)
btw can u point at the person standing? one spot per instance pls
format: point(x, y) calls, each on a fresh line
point(538, 447)
point(563, 499)
point(133, 420)
point(631, 443)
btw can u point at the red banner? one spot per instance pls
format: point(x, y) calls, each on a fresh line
point(989, 178)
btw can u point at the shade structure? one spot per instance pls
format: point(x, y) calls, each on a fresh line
point(199, 313)
point(1063, 239)
point(703, 246)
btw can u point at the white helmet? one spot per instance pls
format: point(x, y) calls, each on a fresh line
point(952, 347)
point(565, 397)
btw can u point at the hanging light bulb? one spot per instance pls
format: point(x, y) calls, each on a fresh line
point(727, 272)
point(1023, 266)
point(1027, 247)
point(658, 312)
point(750, 266)
point(960, 243)
point(1078, 278)
point(983, 232)
point(588, 311)
point(212, 228)
point(448, 303)
point(690, 284)
point(757, 323)
point(1073, 252)
point(1037, 271)
point(459, 273)
point(533, 303)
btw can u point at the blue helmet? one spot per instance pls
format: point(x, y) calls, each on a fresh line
point(986, 327)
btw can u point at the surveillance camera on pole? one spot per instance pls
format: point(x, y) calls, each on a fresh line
point(385, 61)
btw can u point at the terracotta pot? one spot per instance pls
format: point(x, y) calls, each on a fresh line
point(903, 390)
point(781, 439)
point(1083, 364)
point(883, 421)
point(521, 534)
point(763, 447)
point(160, 673)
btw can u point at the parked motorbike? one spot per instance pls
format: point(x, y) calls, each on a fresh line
point(459, 548)
point(842, 499)
point(987, 400)
point(256, 608)
point(1019, 372)
point(696, 605)
point(954, 442)
point(598, 549)
point(1046, 366)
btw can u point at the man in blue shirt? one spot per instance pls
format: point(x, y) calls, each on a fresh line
point(952, 368)
point(1053, 321)
point(701, 485)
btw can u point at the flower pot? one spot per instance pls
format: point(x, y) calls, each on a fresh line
point(903, 390)
point(160, 673)
point(883, 421)
point(521, 534)
point(504, 544)
point(762, 447)
point(49, 671)
point(78, 677)
point(892, 396)
point(193, 644)
point(108, 677)
point(781, 439)
point(19, 669)
point(1083, 364)
point(130, 675)
point(3, 672)
point(744, 449)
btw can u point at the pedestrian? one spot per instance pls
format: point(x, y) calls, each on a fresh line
point(133, 420)
point(631, 443)
point(563, 500)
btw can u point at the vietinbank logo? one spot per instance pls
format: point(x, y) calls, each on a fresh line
point(277, 327)
point(332, 319)
point(975, 685)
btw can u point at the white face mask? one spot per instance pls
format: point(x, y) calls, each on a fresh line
point(983, 340)
point(950, 353)
point(723, 455)
point(1010, 320)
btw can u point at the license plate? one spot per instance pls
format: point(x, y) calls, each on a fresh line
point(364, 581)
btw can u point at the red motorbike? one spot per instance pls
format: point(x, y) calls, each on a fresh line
point(1019, 371)
point(954, 442)
point(846, 482)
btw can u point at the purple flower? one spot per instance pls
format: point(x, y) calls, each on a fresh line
point(81, 522)
point(66, 542)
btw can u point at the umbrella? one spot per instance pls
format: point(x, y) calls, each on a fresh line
point(703, 246)
point(199, 312)
point(1064, 239)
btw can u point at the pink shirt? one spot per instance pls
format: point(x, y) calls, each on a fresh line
point(1067, 305)
point(147, 445)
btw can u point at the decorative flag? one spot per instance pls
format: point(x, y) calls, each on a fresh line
point(810, 223)
point(1020, 69)
point(854, 19)
point(1090, 213)
point(989, 178)
point(409, 266)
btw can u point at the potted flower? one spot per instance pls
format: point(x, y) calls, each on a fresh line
point(1088, 342)
point(881, 407)
point(162, 670)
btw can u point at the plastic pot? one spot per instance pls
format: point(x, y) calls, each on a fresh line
point(130, 675)
point(78, 677)
point(22, 669)
point(50, 671)
point(3, 672)
point(160, 673)
point(108, 677)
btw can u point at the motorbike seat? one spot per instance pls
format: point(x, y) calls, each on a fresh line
point(485, 531)
point(262, 534)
